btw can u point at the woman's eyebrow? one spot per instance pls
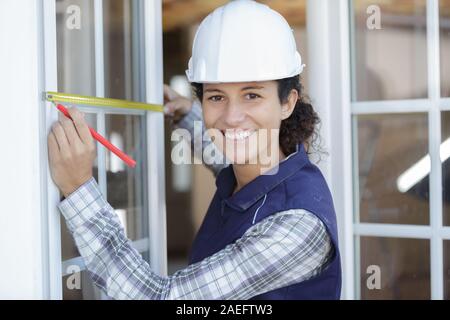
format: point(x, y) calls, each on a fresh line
point(214, 90)
point(243, 89)
point(252, 88)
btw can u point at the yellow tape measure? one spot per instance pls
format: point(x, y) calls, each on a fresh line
point(101, 102)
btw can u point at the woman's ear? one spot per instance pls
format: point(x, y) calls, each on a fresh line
point(289, 106)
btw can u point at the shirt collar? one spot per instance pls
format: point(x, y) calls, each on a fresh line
point(261, 185)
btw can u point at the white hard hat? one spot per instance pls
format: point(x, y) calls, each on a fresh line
point(243, 41)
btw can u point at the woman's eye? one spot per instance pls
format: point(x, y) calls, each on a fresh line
point(215, 98)
point(252, 96)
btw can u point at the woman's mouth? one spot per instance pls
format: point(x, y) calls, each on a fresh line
point(238, 134)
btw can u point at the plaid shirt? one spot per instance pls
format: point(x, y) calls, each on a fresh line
point(285, 248)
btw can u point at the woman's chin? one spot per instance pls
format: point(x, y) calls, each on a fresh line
point(242, 156)
point(246, 151)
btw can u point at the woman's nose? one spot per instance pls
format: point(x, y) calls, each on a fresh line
point(234, 114)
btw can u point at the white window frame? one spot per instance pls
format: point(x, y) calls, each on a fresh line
point(328, 68)
point(151, 57)
point(330, 71)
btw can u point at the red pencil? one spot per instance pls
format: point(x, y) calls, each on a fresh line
point(127, 159)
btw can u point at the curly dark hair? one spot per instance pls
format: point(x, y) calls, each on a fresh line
point(300, 127)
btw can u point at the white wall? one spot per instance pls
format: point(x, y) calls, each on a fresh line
point(21, 245)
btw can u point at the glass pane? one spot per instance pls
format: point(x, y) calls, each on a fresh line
point(79, 286)
point(445, 155)
point(121, 50)
point(393, 268)
point(75, 46)
point(393, 168)
point(447, 269)
point(125, 186)
point(445, 47)
point(389, 50)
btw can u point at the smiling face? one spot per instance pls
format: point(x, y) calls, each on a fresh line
point(246, 118)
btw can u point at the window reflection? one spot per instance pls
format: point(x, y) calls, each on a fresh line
point(125, 186)
point(447, 269)
point(389, 58)
point(79, 286)
point(444, 11)
point(445, 155)
point(403, 266)
point(76, 49)
point(393, 176)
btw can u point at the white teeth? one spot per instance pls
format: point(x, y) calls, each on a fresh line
point(238, 135)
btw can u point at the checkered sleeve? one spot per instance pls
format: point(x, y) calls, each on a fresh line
point(207, 151)
point(285, 248)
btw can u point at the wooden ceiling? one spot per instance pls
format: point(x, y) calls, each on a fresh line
point(183, 13)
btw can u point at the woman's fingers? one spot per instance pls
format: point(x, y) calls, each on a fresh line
point(81, 126)
point(169, 94)
point(53, 148)
point(175, 105)
point(72, 136)
point(70, 131)
point(166, 92)
point(71, 152)
point(60, 137)
point(169, 108)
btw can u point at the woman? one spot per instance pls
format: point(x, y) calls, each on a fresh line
point(270, 231)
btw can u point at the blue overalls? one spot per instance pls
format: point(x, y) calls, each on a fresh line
point(298, 184)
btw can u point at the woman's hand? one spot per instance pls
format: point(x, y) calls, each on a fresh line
point(71, 151)
point(175, 105)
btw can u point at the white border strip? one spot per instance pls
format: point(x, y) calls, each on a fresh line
point(341, 69)
point(100, 92)
point(42, 84)
point(155, 133)
point(48, 19)
point(99, 49)
point(434, 88)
